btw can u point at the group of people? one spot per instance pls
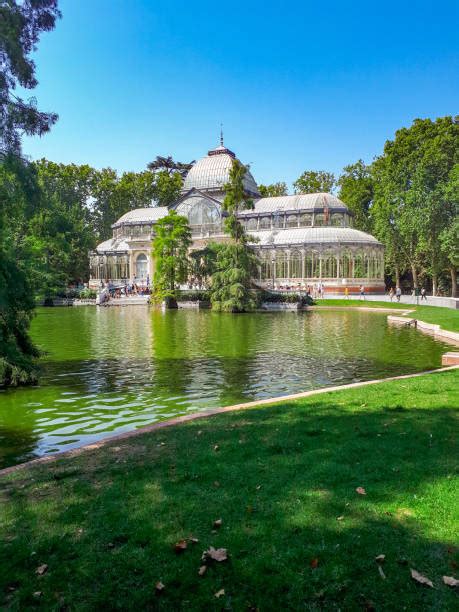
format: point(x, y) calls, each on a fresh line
point(129, 288)
point(418, 294)
point(315, 291)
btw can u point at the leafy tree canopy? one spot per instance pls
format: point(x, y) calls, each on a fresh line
point(356, 191)
point(21, 24)
point(168, 165)
point(170, 249)
point(315, 181)
point(273, 190)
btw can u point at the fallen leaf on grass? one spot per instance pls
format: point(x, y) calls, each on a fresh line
point(258, 487)
point(450, 581)
point(193, 540)
point(380, 558)
point(218, 523)
point(420, 578)
point(361, 491)
point(41, 569)
point(220, 593)
point(215, 554)
point(216, 483)
point(314, 563)
point(340, 518)
point(180, 546)
point(216, 447)
point(381, 573)
point(38, 594)
point(202, 570)
point(159, 587)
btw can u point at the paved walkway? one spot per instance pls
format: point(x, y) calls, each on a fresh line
point(447, 302)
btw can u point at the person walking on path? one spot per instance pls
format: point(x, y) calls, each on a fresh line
point(362, 292)
point(391, 294)
point(423, 294)
point(398, 293)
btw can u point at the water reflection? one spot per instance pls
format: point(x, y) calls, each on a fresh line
point(114, 369)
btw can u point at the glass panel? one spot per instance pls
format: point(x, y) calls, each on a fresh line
point(278, 220)
point(305, 220)
point(141, 266)
point(292, 221)
point(337, 219)
point(296, 265)
point(281, 265)
point(319, 219)
point(265, 223)
point(252, 224)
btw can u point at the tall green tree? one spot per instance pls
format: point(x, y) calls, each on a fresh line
point(170, 250)
point(356, 191)
point(21, 24)
point(17, 353)
point(274, 190)
point(315, 181)
point(410, 181)
point(236, 263)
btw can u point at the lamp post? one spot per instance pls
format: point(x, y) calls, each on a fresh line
point(273, 262)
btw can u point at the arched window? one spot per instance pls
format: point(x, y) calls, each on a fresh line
point(281, 265)
point(266, 267)
point(278, 220)
point(319, 219)
point(337, 219)
point(295, 265)
point(141, 266)
point(265, 223)
point(359, 266)
point(305, 220)
point(329, 266)
point(292, 221)
point(252, 224)
point(345, 263)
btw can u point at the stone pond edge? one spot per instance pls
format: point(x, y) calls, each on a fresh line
point(205, 414)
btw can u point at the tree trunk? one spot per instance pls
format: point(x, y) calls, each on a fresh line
point(414, 273)
point(397, 275)
point(453, 272)
point(434, 283)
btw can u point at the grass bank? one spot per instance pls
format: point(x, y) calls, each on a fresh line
point(447, 318)
point(103, 526)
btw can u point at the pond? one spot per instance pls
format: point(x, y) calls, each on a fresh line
point(111, 370)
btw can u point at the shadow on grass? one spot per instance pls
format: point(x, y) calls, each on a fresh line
point(283, 480)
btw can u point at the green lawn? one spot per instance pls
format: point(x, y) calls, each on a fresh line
point(447, 318)
point(283, 480)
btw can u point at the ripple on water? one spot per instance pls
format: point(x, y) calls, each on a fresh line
point(108, 371)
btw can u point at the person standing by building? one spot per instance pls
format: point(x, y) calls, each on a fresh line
point(391, 294)
point(346, 293)
point(423, 294)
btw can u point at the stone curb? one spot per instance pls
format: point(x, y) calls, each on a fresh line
point(208, 413)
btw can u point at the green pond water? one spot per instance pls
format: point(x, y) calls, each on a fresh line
point(111, 370)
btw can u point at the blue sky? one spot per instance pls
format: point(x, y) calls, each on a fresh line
point(298, 85)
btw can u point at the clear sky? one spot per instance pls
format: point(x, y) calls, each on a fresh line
point(298, 85)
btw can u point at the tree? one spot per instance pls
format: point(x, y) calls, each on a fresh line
point(356, 191)
point(170, 249)
point(449, 236)
point(236, 263)
point(274, 190)
point(21, 24)
point(167, 187)
point(312, 181)
point(20, 27)
point(168, 165)
point(410, 182)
